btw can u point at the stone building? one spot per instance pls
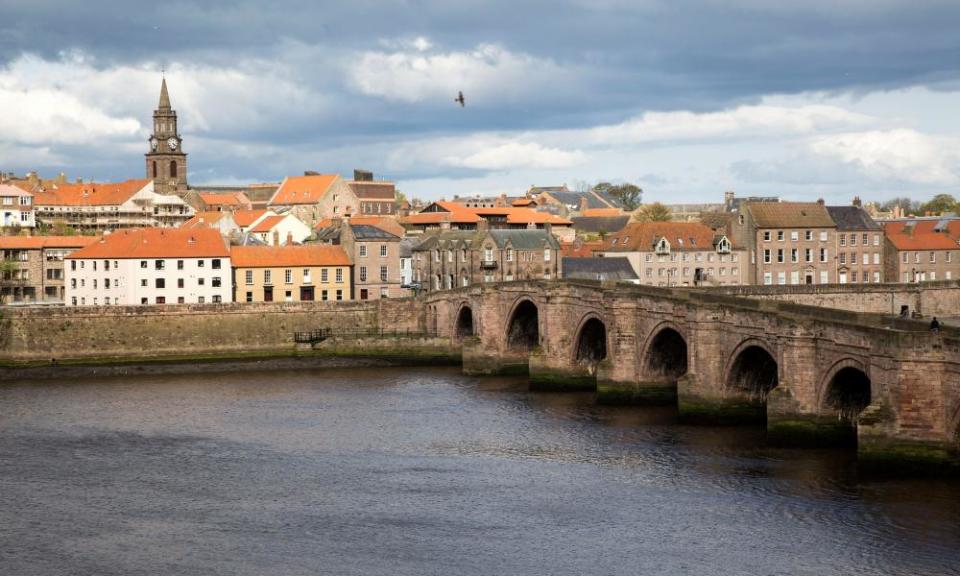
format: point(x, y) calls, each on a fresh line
point(859, 247)
point(375, 197)
point(150, 266)
point(16, 207)
point(373, 246)
point(795, 243)
point(290, 273)
point(678, 254)
point(35, 267)
point(105, 206)
point(459, 258)
point(166, 162)
point(922, 250)
point(314, 197)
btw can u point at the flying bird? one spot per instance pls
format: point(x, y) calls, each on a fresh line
point(460, 99)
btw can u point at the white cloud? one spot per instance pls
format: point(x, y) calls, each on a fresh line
point(900, 154)
point(489, 71)
point(518, 155)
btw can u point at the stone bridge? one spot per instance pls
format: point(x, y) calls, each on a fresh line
point(815, 375)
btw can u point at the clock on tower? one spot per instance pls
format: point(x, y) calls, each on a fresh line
point(166, 160)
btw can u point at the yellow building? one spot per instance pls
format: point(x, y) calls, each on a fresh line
point(290, 273)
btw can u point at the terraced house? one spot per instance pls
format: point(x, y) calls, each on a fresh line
point(34, 267)
point(922, 250)
point(291, 273)
point(150, 266)
point(792, 243)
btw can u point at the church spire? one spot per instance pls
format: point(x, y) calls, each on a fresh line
point(164, 97)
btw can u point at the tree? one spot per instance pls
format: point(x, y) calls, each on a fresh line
point(627, 194)
point(906, 204)
point(940, 204)
point(655, 212)
point(400, 197)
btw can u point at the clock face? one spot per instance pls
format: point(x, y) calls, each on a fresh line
point(154, 144)
point(172, 143)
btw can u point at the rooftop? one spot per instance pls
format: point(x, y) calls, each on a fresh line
point(281, 256)
point(157, 243)
point(303, 189)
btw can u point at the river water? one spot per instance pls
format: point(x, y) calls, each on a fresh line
point(425, 471)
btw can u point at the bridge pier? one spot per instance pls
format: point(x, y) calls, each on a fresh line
point(548, 374)
point(479, 360)
point(611, 390)
point(789, 425)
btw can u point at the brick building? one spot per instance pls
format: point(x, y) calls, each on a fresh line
point(678, 254)
point(859, 246)
point(314, 197)
point(375, 197)
point(290, 273)
point(35, 267)
point(373, 245)
point(922, 250)
point(794, 242)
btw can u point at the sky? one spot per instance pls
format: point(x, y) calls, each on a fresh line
point(686, 98)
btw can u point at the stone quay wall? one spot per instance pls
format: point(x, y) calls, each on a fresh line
point(941, 299)
point(184, 332)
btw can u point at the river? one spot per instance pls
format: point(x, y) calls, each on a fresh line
point(424, 471)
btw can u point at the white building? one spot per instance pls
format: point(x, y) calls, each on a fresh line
point(16, 207)
point(278, 230)
point(150, 266)
point(110, 206)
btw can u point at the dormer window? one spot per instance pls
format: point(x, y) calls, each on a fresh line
point(723, 246)
point(614, 242)
point(693, 241)
point(662, 247)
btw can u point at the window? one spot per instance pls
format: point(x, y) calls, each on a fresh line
point(781, 278)
point(808, 235)
point(793, 255)
point(933, 257)
point(215, 263)
point(363, 273)
point(249, 297)
point(808, 254)
point(488, 254)
point(248, 277)
point(201, 281)
point(866, 257)
point(161, 300)
point(324, 275)
point(509, 254)
point(780, 235)
point(143, 282)
point(143, 301)
point(949, 256)
point(906, 257)
point(339, 294)
point(864, 239)
point(200, 263)
point(179, 264)
point(823, 238)
point(876, 239)
point(306, 276)
point(916, 257)
point(876, 277)
point(160, 283)
point(173, 168)
point(363, 250)
point(158, 264)
point(767, 278)
point(106, 265)
point(201, 299)
point(824, 254)
point(853, 239)
point(339, 277)
point(546, 255)
point(179, 282)
point(780, 255)
point(794, 235)
point(383, 252)
point(267, 277)
point(143, 263)
point(766, 235)
point(383, 273)
point(215, 281)
point(843, 257)
point(853, 258)
point(876, 257)
point(843, 239)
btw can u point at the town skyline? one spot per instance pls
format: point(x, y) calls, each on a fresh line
point(646, 102)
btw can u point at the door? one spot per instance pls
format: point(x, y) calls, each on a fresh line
point(306, 293)
point(268, 293)
point(364, 294)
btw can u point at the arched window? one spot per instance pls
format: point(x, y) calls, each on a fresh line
point(154, 168)
point(173, 168)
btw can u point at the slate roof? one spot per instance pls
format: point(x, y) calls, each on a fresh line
point(593, 268)
point(524, 239)
point(852, 218)
point(599, 224)
point(790, 215)
point(368, 232)
point(572, 199)
point(406, 247)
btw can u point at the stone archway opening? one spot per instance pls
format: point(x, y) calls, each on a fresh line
point(464, 327)
point(667, 356)
point(848, 394)
point(592, 342)
point(523, 332)
point(754, 373)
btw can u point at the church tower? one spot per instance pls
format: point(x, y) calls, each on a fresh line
point(166, 160)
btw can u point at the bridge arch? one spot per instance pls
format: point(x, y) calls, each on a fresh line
point(464, 326)
point(665, 355)
point(590, 344)
point(523, 326)
point(845, 390)
point(752, 370)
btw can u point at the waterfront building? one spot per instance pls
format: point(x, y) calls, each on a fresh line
point(373, 245)
point(792, 243)
point(34, 267)
point(314, 197)
point(106, 206)
point(922, 250)
point(16, 207)
point(678, 254)
point(150, 266)
point(859, 247)
point(291, 273)
point(456, 258)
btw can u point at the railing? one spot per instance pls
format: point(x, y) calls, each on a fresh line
point(311, 336)
point(321, 334)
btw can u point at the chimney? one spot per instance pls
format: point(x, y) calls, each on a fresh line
point(728, 197)
point(583, 204)
point(289, 238)
point(32, 178)
point(820, 201)
point(276, 238)
point(483, 225)
point(857, 202)
point(548, 228)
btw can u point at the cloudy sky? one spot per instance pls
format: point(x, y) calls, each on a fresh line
point(687, 98)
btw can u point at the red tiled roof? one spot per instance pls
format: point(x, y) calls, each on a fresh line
point(246, 218)
point(303, 189)
point(268, 223)
point(8, 190)
point(580, 249)
point(278, 256)
point(157, 243)
point(203, 219)
point(225, 199)
point(520, 202)
point(642, 236)
point(38, 242)
point(921, 236)
point(89, 194)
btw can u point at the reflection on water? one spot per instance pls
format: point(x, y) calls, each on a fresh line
point(425, 471)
